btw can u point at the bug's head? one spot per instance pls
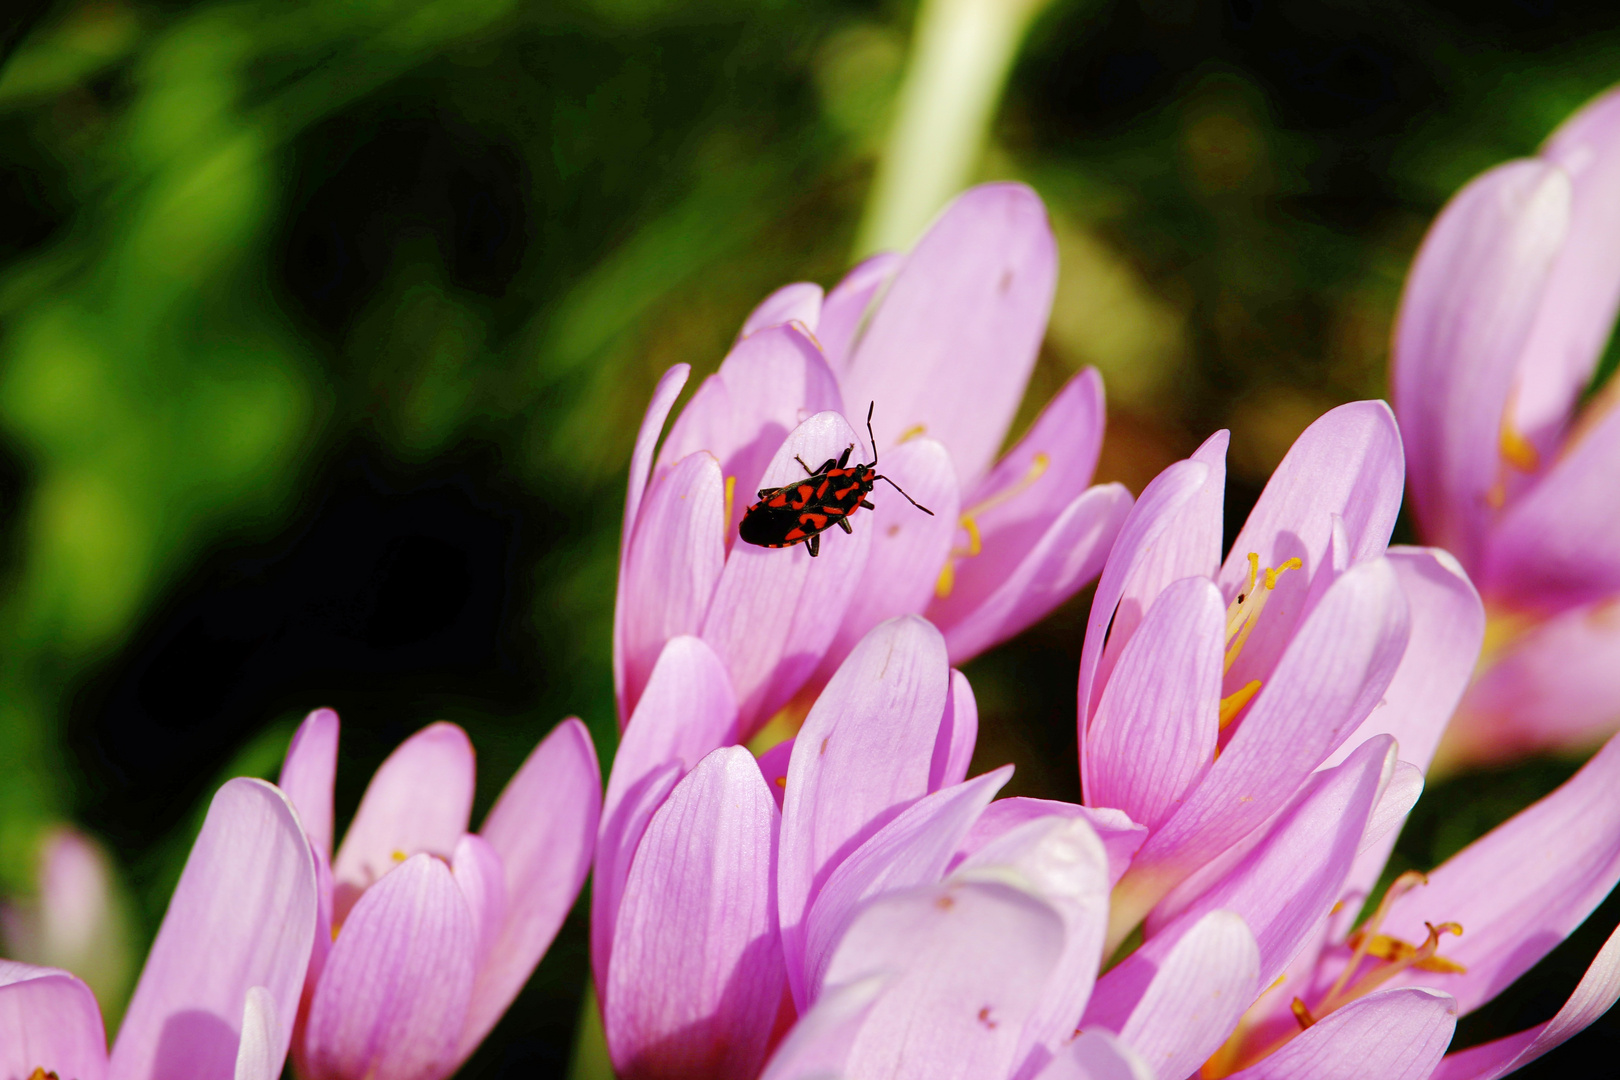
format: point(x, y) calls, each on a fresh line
point(868, 475)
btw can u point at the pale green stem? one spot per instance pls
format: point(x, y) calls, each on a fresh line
point(590, 1061)
point(961, 53)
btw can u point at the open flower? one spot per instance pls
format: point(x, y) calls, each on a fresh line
point(219, 992)
point(1506, 314)
point(1211, 692)
point(427, 931)
point(941, 341)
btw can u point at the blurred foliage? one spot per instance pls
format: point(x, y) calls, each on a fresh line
point(325, 327)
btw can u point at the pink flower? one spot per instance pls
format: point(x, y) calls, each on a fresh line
point(220, 989)
point(1261, 979)
point(942, 340)
point(428, 931)
point(1211, 692)
point(1505, 317)
point(76, 920)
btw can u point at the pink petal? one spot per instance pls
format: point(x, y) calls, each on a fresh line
point(819, 1043)
point(1290, 881)
point(1178, 1011)
point(1599, 989)
point(768, 384)
point(958, 733)
point(845, 309)
point(967, 965)
point(308, 773)
point(776, 611)
point(1578, 303)
point(1097, 1055)
point(49, 1020)
point(1333, 674)
point(1392, 1035)
point(393, 999)
point(256, 1055)
point(1016, 504)
point(482, 880)
point(799, 302)
point(541, 827)
point(1132, 561)
point(773, 766)
point(908, 548)
point(953, 342)
point(913, 849)
point(1520, 889)
point(243, 915)
point(671, 569)
point(1061, 861)
point(1471, 301)
point(687, 710)
point(1560, 542)
point(1347, 465)
point(863, 754)
point(419, 800)
point(696, 977)
point(1070, 553)
point(1155, 729)
point(1555, 687)
point(1121, 837)
point(641, 458)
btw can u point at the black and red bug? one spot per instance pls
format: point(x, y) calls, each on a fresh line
point(798, 513)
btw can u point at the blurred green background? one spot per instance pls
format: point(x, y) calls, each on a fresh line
point(325, 326)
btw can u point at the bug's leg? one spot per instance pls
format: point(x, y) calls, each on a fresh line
point(802, 465)
point(843, 523)
point(825, 465)
point(868, 504)
point(843, 459)
point(815, 545)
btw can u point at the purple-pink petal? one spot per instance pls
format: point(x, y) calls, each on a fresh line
point(1392, 1035)
point(1596, 994)
point(775, 610)
point(256, 1054)
point(243, 915)
point(49, 1020)
point(687, 711)
point(419, 799)
point(542, 827)
point(1069, 553)
point(641, 458)
point(482, 881)
point(968, 963)
point(864, 753)
point(819, 1044)
point(1096, 1055)
point(843, 313)
point(670, 569)
point(696, 978)
point(799, 302)
point(1472, 297)
point(393, 999)
point(308, 773)
point(1523, 887)
point(1120, 836)
point(958, 734)
point(1154, 732)
point(954, 339)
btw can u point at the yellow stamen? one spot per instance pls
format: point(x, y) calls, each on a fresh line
point(975, 541)
point(400, 856)
point(1244, 611)
point(1516, 450)
point(946, 582)
point(912, 432)
point(1360, 941)
point(969, 520)
point(1302, 1014)
point(731, 494)
point(1233, 703)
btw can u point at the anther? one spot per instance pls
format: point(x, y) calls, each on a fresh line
point(915, 431)
point(731, 494)
point(1302, 1014)
point(1233, 703)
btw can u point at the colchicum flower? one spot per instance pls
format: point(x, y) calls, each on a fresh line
point(427, 932)
point(1513, 464)
point(941, 341)
point(75, 921)
point(218, 995)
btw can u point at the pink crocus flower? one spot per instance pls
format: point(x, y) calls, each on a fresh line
point(1259, 980)
point(427, 931)
point(1211, 691)
point(942, 340)
point(76, 920)
point(219, 992)
point(1506, 314)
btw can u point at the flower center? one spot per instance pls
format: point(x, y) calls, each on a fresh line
point(1241, 615)
point(1375, 959)
point(41, 1074)
point(970, 523)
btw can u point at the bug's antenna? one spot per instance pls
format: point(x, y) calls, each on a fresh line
point(902, 491)
point(870, 406)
